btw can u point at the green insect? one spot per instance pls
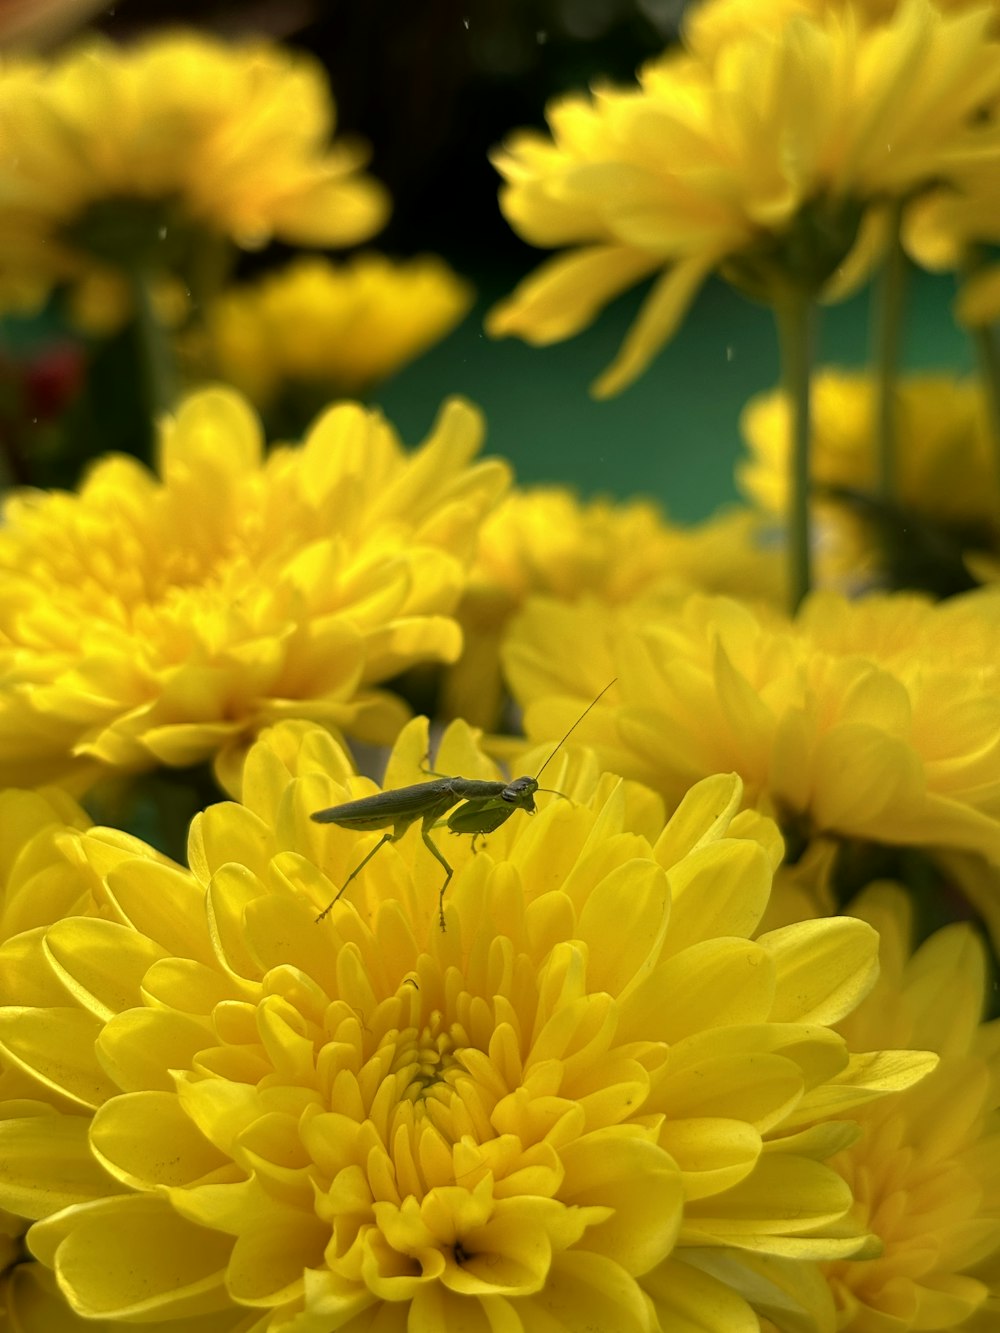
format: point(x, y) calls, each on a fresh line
point(484, 807)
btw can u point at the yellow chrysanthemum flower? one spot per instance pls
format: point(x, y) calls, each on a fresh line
point(338, 328)
point(876, 720)
point(375, 1124)
point(948, 226)
point(925, 1171)
point(946, 457)
point(709, 24)
point(163, 619)
point(112, 156)
point(759, 163)
point(543, 539)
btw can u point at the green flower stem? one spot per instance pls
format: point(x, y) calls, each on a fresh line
point(211, 262)
point(988, 358)
point(795, 314)
point(890, 306)
point(984, 340)
point(14, 470)
point(155, 346)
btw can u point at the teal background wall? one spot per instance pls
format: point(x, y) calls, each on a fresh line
point(672, 435)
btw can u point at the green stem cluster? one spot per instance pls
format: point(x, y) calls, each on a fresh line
point(887, 336)
point(987, 350)
point(988, 360)
point(155, 348)
point(795, 314)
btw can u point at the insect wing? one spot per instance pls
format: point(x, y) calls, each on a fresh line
point(404, 805)
point(387, 807)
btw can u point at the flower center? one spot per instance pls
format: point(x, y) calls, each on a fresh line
point(124, 231)
point(428, 1057)
point(906, 1201)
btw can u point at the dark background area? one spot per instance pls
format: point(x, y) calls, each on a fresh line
point(432, 86)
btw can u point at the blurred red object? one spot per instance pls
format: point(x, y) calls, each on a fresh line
point(50, 380)
point(37, 387)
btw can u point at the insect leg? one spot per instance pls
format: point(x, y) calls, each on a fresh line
point(436, 853)
point(386, 837)
point(443, 823)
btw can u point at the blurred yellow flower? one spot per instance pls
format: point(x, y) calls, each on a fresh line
point(742, 553)
point(876, 720)
point(968, 878)
point(709, 24)
point(116, 157)
point(336, 328)
point(978, 301)
point(955, 223)
point(759, 163)
point(255, 1122)
point(946, 469)
point(163, 619)
point(543, 539)
point(926, 1170)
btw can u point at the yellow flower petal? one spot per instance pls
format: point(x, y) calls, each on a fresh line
point(159, 1264)
point(689, 1301)
point(811, 978)
point(564, 295)
point(127, 1135)
point(56, 1047)
point(100, 963)
point(657, 321)
point(60, 1146)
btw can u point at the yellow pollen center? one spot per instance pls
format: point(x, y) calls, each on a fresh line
point(908, 1202)
point(428, 1057)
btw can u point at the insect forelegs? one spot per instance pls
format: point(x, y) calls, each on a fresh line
point(386, 837)
point(436, 853)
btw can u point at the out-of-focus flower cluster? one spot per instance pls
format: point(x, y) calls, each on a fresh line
point(117, 159)
point(327, 330)
point(681, 1022)
point(946, 515)
point(766, 150)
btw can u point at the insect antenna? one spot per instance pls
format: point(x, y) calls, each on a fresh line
point(573, 728)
